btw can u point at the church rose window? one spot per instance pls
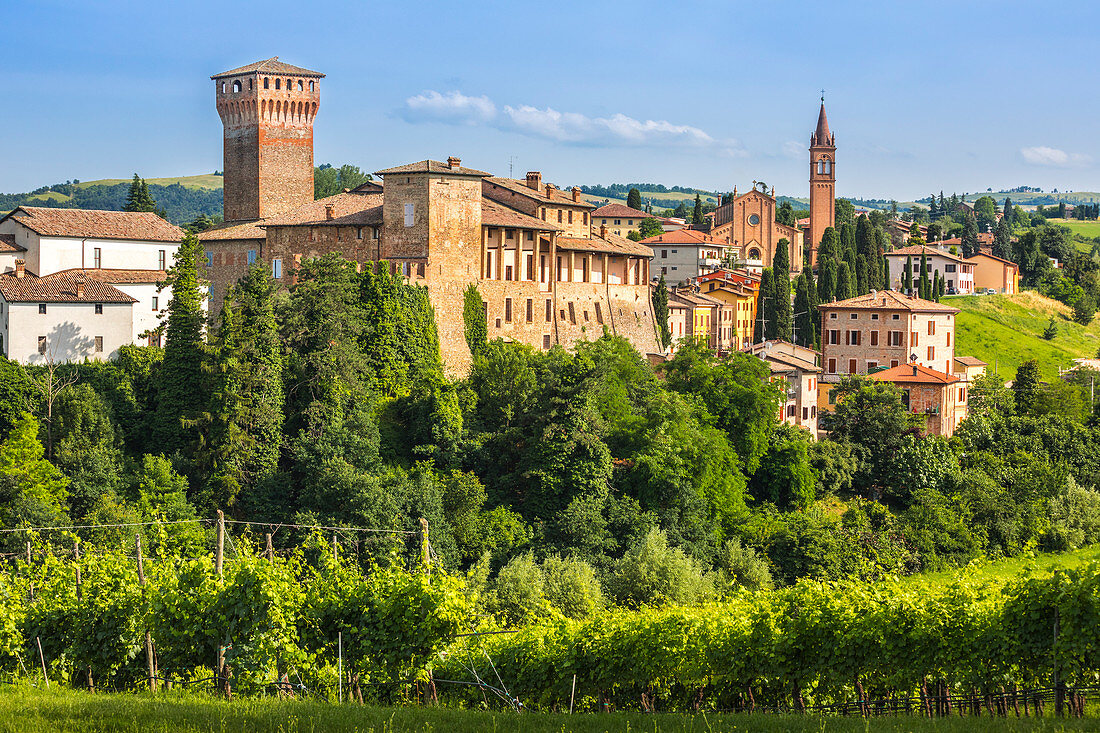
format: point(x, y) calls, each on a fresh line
point(754, 220)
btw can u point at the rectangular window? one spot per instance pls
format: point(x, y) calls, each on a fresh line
point(530, 267)
point(507, 272)
point(374, 232)
point(834, 337)
point(805, 413)
point(914, 339)
point(408, 215)
point(549, 310)
point(585, 217)
point(99, 344)
point(570, 217)
point(931, 353)
point(871, 364)
point(832, 316)
point(874, 338)
point(546, 341)
point(251, 256)
point(509, 234)
point(893, 363)
point(572, 315)
point(543, 213)
point(530, 310)
point(359, 232)
point(931, 328)
point(530, 236)
point(209, 259)
point(99, 309)
point(156, 303)
point(791, 410)
point(832, 366)
point(41, 344)
point(664, 253)
point(813, 411)
point(507, 310)
point(41, 309)
point(277, 269)
point(852, 316)
point(97, 258)
point(161, 260)
point(559, 216)
point(599, 314)
point(851, 366)
point(948, 338)
point(896, 317)
point(895, 338)
point(949, 268)
point(874, 316)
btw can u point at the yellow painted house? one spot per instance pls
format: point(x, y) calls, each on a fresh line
point(741, 300)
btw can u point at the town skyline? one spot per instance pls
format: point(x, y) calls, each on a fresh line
point(587, 107)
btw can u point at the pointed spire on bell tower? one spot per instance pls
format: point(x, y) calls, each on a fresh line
point(821, 135)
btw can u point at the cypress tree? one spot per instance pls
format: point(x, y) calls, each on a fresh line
point(865, 238)
point(634, 199)
point(814, 315)
point(804, 311)
point(1009, 212)
point(826, 280)
point(181, 383)
point(477, 330)
point(887, 281)
point(848, 243)
point(936, 284)
point(862, 287)
point(767, 305)
point(970, 237)
point(1027, 386)
point(660, 312)
point(1002, 239)
point(925, 283)
point(697, 214)
point(843, 282)
point(781, 272)
point(933, 209)
point(830, 245)
point(907, 276)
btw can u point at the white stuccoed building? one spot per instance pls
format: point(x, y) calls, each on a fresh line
point(78, 284)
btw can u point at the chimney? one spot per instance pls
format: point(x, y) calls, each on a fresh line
point(576, 194)
point(454, 163)
point(80, 288)
point(603, 230)
point(330, 212)
point(549, 189)
point(915, 373)
point(534, 180)
point(20, 269)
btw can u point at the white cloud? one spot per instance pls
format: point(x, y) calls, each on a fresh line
point(1053, 157)
point(453, 107)
point(792, 149)
point(571, 128)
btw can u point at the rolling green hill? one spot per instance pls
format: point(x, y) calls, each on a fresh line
point(1007, 330)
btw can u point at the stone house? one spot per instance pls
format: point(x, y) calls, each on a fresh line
point(932, 394)
point(797, 368)
point(956, 272)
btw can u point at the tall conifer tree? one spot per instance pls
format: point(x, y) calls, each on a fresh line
point(843, 282)
point(781, 269)
point(907, 276)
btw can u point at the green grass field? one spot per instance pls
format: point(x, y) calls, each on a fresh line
point(206, 180)
point(1007, 330)
point(24, 710)
point(999, 572)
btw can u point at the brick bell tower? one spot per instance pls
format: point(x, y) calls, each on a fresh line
point(822, 180)
point(267, 111)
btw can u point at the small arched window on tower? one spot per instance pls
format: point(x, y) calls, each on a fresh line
point(299, 85)
point(266, 82)
point(278, 82)
point(236, 86)
point(223, 87)
point(311, 86)
point(250, 85)
point(820, 167)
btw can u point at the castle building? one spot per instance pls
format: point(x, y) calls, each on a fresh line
point(547, 275)
point(822, 182)
point(746, 223)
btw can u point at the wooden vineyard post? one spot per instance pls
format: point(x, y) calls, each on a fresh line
point(219, 557)
point(42, 659)
point(335, 554)
point(424, 543)
point(28, 552)
point(268, 549)
point(149, 662)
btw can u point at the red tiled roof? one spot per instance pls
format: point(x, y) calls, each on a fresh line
point(348, 209)
point(612, 244)
point(697, 299)
point(613, 210)
point(993, 257)
point(558, 196)
point(889, 300)
point(136, 225)
point(8, 244)
point(913, 374)
point(916, 250)
point(124, 277)
point(684, 236)
point(498, 215)
point(970, 361)
point(270, 66)
point(233, 231)
point(59, 287)
point(433, 166)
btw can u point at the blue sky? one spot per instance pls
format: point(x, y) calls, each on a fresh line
point(922, 96)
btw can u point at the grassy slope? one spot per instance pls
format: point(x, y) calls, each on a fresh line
point(31, 711)
point(206, 180)
point(1006, 330)
point(1088, 229)
point(1000, 572)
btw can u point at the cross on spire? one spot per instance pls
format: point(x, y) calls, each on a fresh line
point(823, 96)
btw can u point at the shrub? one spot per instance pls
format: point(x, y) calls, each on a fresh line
point(652, 573)
point(1074, 519)
point(571, 586)
point(740, 566)
point(519, 591)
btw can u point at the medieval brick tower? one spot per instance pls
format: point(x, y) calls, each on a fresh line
point(822, 181)
point(267, 110)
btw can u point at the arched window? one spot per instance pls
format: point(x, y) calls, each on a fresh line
point(299, 85)
point(820, 167)
point(223, 87)
point(289, 84)
point(277, 83)
point(311, 86)
point(754, 254)
point(265, 82)
point(250, 85)
point(236, 86)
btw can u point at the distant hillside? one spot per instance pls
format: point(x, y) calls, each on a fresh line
point(183, 198)
point(1007, 330)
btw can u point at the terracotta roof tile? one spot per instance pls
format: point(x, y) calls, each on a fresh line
point(684, 236)
point(613, 244)
point(8, 244)
point(498, 215)
point(232, 231)
point(124, 277)
point(136, 225)
point(270, 66)
point(889, 300)
point(913, 374)
point(970, 361)
point(59, 287)
point(993, 257)
point(432, 166)
point(557, 196)
point(622, 211)
point(916, 250)
point(348, 209)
